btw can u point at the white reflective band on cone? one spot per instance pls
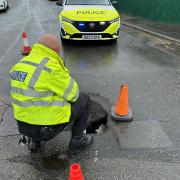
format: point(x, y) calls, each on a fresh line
point(25, 42)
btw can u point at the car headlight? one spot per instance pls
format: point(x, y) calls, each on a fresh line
point(67, 20)
point(114, 20)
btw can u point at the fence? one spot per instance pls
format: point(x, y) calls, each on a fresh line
point(160, 10)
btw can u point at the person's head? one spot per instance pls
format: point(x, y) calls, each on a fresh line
point(51, 42)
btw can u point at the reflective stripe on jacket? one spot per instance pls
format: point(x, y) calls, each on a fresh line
point(41, 88)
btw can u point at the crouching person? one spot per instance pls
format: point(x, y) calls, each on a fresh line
point(46, 98)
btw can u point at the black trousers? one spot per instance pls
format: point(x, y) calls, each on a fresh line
point(79, 117)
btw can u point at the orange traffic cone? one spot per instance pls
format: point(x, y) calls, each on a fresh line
point(76, 172)
point(121, 111)
point(26, 49)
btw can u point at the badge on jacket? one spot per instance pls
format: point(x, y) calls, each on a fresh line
point(18, 76)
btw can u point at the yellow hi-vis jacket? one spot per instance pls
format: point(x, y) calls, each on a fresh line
point(41, 88)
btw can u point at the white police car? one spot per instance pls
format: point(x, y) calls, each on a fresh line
point(4, 5)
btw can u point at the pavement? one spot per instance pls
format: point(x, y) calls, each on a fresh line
point(170, 30)
point(148, 148)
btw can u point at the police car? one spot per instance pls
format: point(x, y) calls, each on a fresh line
point(89, 20)
point(4, 5)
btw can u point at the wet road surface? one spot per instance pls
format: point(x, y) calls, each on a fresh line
point(147, 148)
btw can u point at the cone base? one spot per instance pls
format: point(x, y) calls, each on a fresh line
point(126, 118)
point(24, 53)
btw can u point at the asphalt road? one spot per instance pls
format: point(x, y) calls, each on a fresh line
point(146, 149)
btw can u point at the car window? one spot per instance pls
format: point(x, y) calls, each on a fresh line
point(87, 2)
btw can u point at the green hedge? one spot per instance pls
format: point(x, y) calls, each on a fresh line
point(160, 10)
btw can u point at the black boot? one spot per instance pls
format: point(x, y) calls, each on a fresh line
point(33, 145)
point(79, 143)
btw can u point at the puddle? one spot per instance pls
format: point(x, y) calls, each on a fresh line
point(54, 162)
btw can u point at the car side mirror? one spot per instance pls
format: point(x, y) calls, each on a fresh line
point(114, 2)
point(59, 3)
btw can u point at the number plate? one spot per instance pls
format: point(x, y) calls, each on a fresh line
point(91, 37)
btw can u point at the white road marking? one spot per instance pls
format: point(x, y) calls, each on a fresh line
point(39, 25)
point(27, 5)
point(41, 30)
point(14, 42)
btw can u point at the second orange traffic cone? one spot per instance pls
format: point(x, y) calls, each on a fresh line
point(76, 172)
point(26, 49)
point(121, 111)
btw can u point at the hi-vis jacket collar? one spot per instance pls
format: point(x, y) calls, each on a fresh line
point(45, 50)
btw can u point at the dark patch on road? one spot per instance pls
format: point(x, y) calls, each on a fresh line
point(41, 162)
point(54, 162)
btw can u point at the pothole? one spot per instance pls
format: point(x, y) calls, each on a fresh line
point(98, 114)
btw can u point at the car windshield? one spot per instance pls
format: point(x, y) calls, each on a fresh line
point(87, 2)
